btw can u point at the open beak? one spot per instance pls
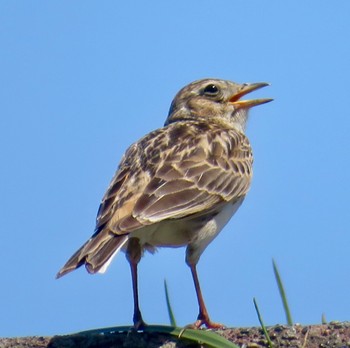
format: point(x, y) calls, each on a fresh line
point(247, 88)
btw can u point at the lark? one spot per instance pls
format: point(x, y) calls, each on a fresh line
point(177, 186)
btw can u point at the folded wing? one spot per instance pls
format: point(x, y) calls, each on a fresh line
point(172, 173)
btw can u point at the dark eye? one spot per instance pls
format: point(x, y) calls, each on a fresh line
point(211, 90)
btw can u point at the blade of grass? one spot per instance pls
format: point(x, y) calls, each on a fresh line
point(209, 338)
point(266, 334)
point(282, 294)
point(170, 310)
point(323, 319)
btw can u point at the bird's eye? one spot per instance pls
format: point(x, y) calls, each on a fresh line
point(211, 90)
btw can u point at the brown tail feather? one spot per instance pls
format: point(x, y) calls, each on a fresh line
point(96, 253)
point(73, 263)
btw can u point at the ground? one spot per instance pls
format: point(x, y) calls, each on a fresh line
point(332, 335)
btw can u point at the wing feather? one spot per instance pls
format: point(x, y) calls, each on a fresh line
point(165, 178)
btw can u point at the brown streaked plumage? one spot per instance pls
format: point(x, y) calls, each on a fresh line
point(178, 185)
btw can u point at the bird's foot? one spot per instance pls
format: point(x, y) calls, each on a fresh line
point(208, 323)
point(198, 323)
point(139, 325)
point(204, 321)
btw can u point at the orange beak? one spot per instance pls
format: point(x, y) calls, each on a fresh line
point(247, 88)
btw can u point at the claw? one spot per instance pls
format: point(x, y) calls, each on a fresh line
point(208, 323)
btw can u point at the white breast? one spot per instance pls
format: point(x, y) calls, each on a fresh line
point(210, 230)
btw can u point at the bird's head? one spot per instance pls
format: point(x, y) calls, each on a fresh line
point(216, 100)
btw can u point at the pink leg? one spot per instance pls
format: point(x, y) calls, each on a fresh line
point(203, 316)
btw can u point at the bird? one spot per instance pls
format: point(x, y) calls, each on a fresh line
point(177, 186)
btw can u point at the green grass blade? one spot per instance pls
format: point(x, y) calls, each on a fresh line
point(282, 293)
point(266, 334)
point(209, 338)
point(323, 319)
point(170, 310)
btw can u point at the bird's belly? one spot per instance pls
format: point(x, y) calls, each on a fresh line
point(199, 231)
point(164, 234)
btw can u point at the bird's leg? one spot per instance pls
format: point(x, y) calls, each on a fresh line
point(203, 316)
point(133, 255)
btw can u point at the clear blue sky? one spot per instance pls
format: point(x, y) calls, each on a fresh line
point(82, 80)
